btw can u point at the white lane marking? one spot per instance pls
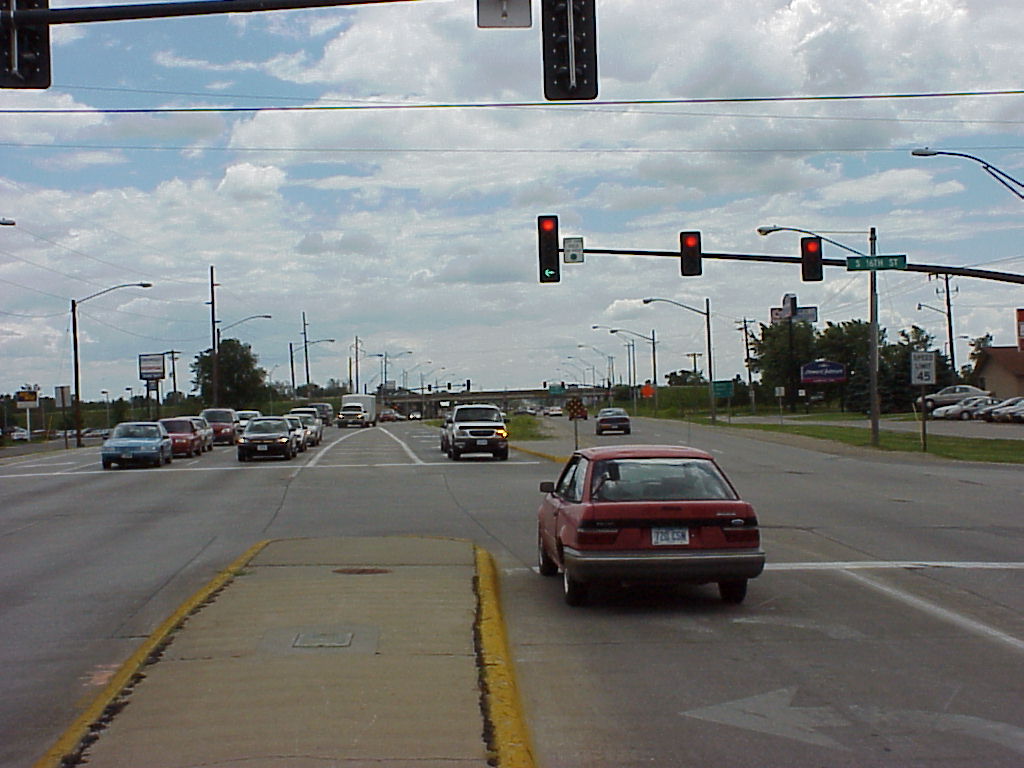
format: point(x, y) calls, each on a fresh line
point(891, 565)
point(316, 459)
point(943, 614)
point(408, 451)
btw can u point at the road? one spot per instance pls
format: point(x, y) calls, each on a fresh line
point(887, 630)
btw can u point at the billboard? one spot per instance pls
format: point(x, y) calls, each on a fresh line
point(151, 367)
point(1020, 330)
point(822, 372)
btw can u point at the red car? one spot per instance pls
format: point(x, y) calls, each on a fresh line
point(186, 439)
point(647, 513)
point(225, 424)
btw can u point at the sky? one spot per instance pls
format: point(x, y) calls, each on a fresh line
point(408, 218)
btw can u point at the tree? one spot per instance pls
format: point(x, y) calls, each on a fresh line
point(684, 378)
point(978, 347)
point(241, 380)
point(779, 352)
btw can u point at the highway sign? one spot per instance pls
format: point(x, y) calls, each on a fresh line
point(724, 388)
point(875, 263)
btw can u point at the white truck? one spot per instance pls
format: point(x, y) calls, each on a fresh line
point(357, 410)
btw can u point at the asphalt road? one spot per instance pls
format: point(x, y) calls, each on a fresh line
point(887, 630)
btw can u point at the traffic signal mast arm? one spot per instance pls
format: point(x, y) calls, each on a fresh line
point(164, 10)
point(931, 269)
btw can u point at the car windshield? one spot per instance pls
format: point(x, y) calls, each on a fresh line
point(219, 416)
point(478, 414)
point(137, 431)
point(266, 427)
point(658, 479)
point(611, 412)
point(307, 419)
point(178, 425)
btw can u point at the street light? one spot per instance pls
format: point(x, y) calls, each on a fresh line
point(948, 314)
point(707, 325)
point(872, 309)
point(999, 175)
point(654, 356)
point(291, 355)
point(74, 344)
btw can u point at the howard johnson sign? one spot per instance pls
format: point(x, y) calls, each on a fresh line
point(822, 372)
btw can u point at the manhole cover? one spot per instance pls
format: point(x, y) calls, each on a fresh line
point(361, 571)
point(323, 640)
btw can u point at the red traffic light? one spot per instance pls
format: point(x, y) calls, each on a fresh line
point(548, 223)
point(810, 259)
point(813, 245)
point(690, 254)
point(548, 249)
point(691, 240)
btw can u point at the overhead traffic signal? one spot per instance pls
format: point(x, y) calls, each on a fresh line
point(25, 49)
point(690, 254)
point(569, 45)
point(810, 259)
point(547, 247)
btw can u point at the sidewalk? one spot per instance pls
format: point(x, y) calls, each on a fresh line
point(339, 651)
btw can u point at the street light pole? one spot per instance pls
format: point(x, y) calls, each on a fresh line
point(999, 175)
point(74, 347)
point(707, 328)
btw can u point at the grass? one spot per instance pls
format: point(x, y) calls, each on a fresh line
point(962, 448)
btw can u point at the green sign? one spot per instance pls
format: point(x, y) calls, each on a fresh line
point(873, 263)
point(724, 388)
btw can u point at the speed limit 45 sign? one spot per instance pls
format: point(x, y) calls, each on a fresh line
point(922, 368)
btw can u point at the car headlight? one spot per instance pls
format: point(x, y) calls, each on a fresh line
point(243, 439)
point(283, 439)
point(502, 433)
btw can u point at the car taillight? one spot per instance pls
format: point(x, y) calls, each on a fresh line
point(603, 535)
point(742, 536)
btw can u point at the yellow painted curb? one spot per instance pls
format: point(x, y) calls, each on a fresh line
point(510, 739)
point(548, 456)
point(80, 729)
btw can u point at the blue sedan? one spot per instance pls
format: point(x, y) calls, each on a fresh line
point(137, 442)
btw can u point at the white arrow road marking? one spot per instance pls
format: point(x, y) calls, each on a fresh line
point(408, 451)
point(1004, 734)
point(773, 713)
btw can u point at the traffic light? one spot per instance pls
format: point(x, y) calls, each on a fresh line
point(689, 252)
point(25, 50)
point(547, 245)
point(569, 43)
point(810, 259)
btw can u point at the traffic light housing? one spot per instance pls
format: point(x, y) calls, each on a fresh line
point(569, 46)
point(547, 246)
point(810, 259)
point(24, 49)
point(690, 254)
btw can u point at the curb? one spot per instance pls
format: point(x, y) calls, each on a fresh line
point(539, 454)
point(81, 732)
point(503, 714)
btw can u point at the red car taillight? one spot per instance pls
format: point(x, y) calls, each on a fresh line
point(603, 535)
point(749, 536)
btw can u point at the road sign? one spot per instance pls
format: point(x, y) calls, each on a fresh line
point(572, 250)
point(875, 263)
point(802, 315)
point(575, 409)
point(724, 388)
point(922, 368)
point(62, 396)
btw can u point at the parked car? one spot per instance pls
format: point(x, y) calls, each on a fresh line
point(612, 420)
point(415, 416)
point(646, 513)
point(205, 431)
point(137, 442)
point(965, 409)
point(20, 433)
point(950, 395)
point(267, 436)
point(299, 430)
point(988, 412)
point(185, 437)
point(475, 428)
point(1004, 411)
point(225, 424)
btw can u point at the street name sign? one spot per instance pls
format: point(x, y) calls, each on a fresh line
point(875, 263)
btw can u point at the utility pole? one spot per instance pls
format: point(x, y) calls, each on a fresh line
point(949, 326)
point(305, 348)
point(214, 347)
point(694, 356)
point(174, 368)
point(746, 362)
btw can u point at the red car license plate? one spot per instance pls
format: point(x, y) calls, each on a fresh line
point(661, 537)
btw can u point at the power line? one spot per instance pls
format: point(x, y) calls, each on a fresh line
point(511, 104)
